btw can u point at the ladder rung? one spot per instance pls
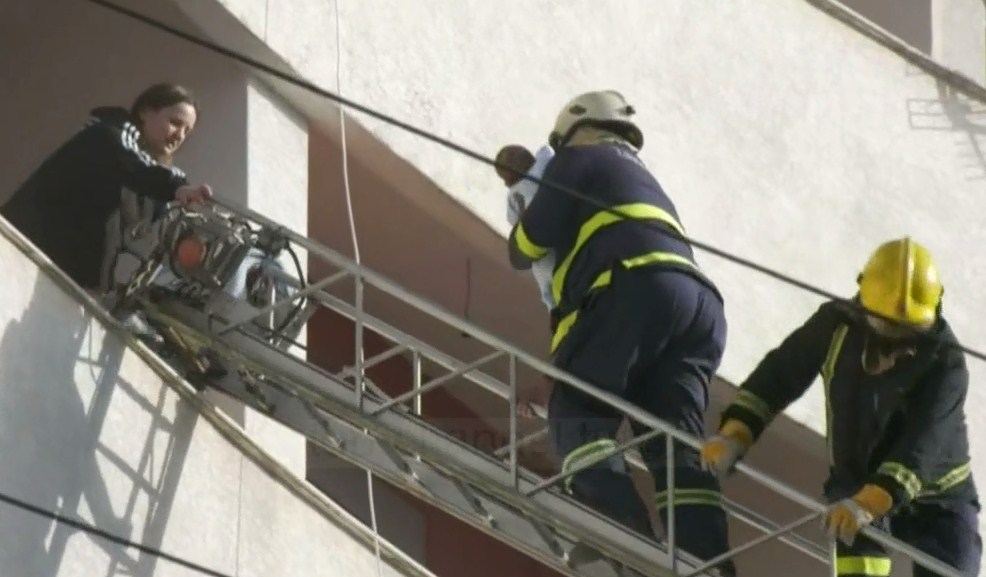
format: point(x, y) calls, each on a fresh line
point(373, 430)
point(445, 466)
point(446, 492)
point(477, 504)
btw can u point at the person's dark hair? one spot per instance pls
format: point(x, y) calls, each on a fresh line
point(162, 95)
point(513, 162)
point(516, 155)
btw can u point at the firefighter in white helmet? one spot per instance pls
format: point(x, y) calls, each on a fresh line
point(895, 385)
point(637, 318)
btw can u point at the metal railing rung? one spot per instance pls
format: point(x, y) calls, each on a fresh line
point(530, 490)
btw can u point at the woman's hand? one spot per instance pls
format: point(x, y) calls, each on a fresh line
point(193, 195)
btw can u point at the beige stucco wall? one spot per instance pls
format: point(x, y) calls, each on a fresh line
point(803, 148)
point(251, 146)
point(92, 432)
point(799, 146)
point(755, 132)
point(953, 32)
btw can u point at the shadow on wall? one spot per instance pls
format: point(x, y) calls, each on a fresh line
point(56, 392)
point(952, 111)
point(909, 20)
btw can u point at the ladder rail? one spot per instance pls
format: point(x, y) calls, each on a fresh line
point(336, 398)
point(382, 283)
point(95, 311)
point(405, 343)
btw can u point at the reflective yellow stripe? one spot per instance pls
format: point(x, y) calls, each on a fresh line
point(604, 278)
point(868, 566)
point(527, 247)
point(689, 497)
point(650, 258)
point(564, 325)
point(951, 479)
point(636, 211)
point(828, 372)
point(897, 471)
point(755, 405)
point(584, 453)
point(903, 475)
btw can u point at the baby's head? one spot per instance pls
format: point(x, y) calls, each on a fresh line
point(513, 163)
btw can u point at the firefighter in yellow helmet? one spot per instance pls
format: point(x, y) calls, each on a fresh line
point(895, 385)
point(634, 316)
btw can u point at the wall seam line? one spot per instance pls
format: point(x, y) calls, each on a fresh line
point(239, 515)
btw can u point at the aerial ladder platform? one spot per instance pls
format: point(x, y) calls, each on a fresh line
point(239, 341)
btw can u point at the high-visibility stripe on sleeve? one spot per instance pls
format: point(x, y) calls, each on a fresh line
point(949, 480)
point(751, 402)
point(526, 246)
point(906, 477)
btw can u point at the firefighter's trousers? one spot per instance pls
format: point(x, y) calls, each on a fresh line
point(654, 338)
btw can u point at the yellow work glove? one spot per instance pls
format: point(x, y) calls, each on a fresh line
point(847, 517)
point(720, 453)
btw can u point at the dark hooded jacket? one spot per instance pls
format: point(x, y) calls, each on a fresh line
point(64, 206)
point(903, 430)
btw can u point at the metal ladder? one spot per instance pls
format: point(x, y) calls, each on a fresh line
point(349, 416)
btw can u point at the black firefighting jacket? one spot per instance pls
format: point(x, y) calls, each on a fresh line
point(64, 206)
point(903, 430)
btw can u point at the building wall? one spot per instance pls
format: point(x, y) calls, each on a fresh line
point(276, 165)
point(54, 71)
point(909, 20)
point(250, 145)
point(91, 431)
point(438, 539)
point(723, 135)
point(441, 542)
point(952, 32)
point(431, 262)
point(800, 149)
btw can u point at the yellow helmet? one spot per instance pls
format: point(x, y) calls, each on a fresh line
point(901, 282)
point(606, 109)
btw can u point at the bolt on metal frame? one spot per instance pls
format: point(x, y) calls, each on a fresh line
point(517, 357)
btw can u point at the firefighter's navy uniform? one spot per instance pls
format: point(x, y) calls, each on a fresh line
point(635, 317)
point(896, 433)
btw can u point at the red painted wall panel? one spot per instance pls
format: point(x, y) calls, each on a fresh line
point(453, 548)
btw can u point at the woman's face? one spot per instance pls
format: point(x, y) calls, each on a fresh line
point(165, 130)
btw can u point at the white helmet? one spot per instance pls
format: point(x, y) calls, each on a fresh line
point(606, 109)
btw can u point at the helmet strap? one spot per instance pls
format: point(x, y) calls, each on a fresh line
point(620, 132)
point(881, 354)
